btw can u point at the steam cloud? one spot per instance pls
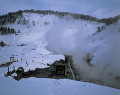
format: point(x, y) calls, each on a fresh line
point(73, 37)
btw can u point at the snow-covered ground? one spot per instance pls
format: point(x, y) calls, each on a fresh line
point(47, 38)
point(45, 86)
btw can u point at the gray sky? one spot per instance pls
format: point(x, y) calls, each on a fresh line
point(97, 8)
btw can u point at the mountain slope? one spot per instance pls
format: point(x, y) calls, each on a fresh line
point(46, 36)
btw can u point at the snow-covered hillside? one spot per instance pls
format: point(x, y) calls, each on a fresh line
point(44, 39)
point(29, 45)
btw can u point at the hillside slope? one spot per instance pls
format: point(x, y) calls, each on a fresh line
point(41, 39)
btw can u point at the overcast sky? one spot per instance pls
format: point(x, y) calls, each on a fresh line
point(97, 8)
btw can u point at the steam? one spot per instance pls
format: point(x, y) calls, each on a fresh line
point(73, 37)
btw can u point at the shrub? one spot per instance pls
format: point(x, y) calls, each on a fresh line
point(2, 44)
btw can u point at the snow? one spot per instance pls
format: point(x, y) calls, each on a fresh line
point(52, 87)
point(46, 86)
point(44, 44)
point(33, 52)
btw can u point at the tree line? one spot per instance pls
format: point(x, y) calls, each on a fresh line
point(12, 16)
point(109, 20)
point(6, 30)
point(61, 14)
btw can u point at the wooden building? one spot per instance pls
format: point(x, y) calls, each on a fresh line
point(59, 68)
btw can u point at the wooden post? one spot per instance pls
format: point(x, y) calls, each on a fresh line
point(8, 69)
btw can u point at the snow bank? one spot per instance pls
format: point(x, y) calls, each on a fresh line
point(52, 87)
